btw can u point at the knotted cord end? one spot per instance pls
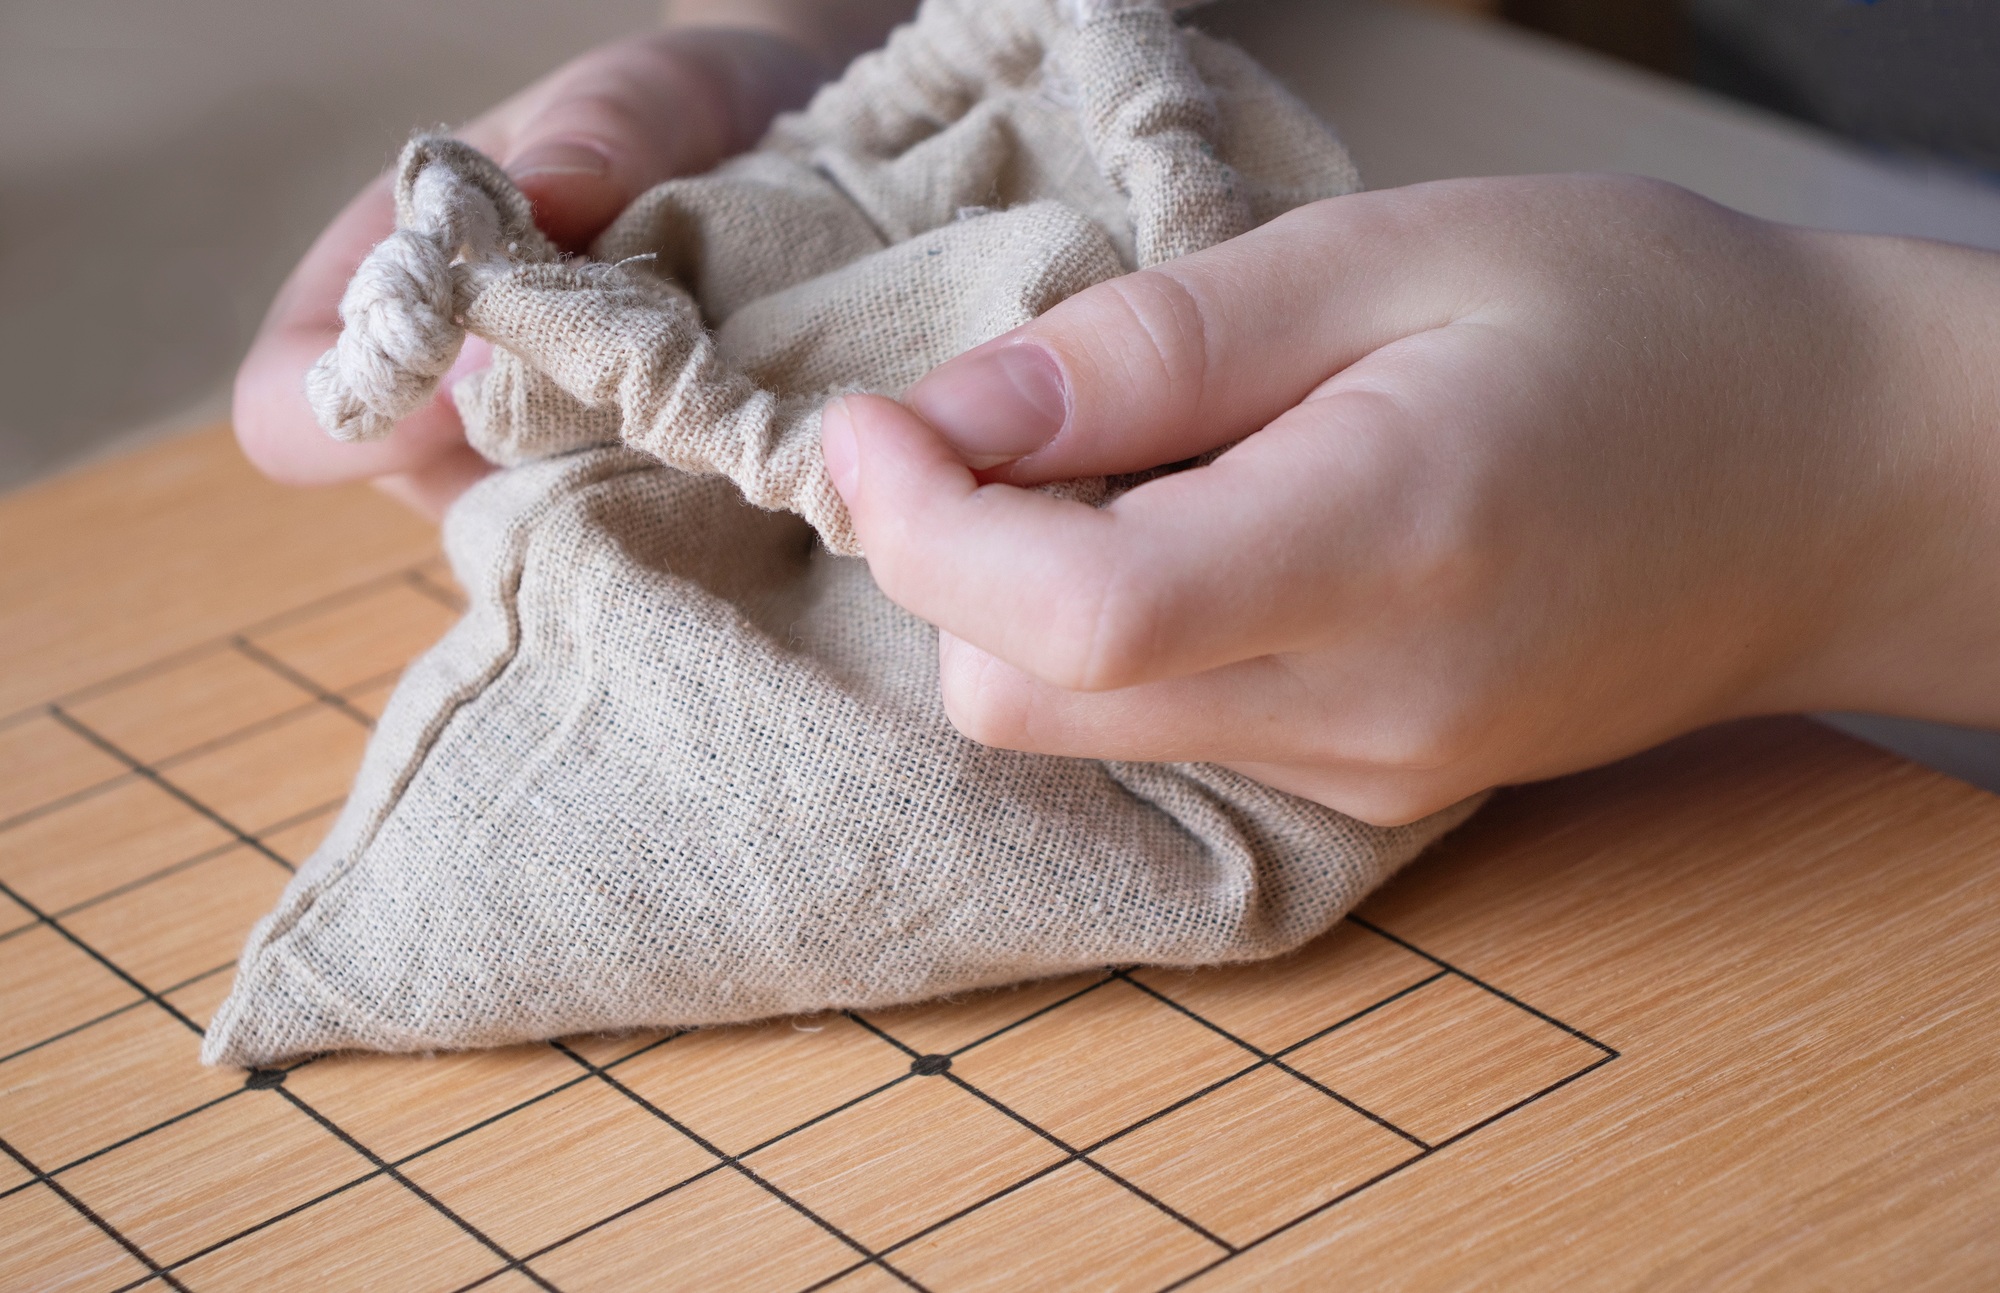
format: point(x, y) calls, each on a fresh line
point(458, 218)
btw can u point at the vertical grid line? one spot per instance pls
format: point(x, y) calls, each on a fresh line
point(869, 1255)
point(63, 716)
point(102, 959)
point(89, 1214)
point(396, 1175)
point(1477, 982)
point(1279, 1064)
point(332, 699)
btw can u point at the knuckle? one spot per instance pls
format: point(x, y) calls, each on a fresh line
point(978, 704)
point(1105, 635)
point(1159, 332)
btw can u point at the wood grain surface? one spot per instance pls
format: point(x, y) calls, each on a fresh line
point(1722, 1015)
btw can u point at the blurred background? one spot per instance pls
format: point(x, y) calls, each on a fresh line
point(164, 162)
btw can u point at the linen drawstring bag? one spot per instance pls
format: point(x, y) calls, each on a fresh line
point(681, 762)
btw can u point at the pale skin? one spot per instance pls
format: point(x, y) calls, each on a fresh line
point(1527, 474)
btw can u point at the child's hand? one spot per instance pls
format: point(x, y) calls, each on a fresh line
point(1538, 472)
point(581, 143)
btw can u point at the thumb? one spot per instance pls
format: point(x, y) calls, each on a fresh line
point(1173, 361)
point(598, 132)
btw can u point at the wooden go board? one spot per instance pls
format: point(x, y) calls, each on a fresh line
point(1724, 1013)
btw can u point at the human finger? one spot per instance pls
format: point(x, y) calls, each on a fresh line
point(1185, 573)
point(430, 488)
point(1173, 361)
point(1301, 730)
point(581, 143)
point(598, 132)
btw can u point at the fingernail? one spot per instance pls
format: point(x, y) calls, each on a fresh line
point(836, 445)
point(994, 404)
point(557, 157)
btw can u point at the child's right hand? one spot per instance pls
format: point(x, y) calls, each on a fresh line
point(1533, 473)
point(582, 143)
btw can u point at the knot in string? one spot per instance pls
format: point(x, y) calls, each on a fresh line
point(459, 219)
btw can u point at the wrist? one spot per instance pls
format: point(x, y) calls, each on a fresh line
point(1915, 583)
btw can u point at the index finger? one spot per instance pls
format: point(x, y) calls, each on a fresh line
point(1185, 573)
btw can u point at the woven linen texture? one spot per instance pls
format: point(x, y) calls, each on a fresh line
point(682, 763)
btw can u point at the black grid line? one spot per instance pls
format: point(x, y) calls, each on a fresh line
point(305, 709)
point(394, 1174)
point(141, 881)
point(735, 1161)
point(1476, 982)
point(320, 695)
point(376, 1173)
point(159, 1272)
point(1279, 1064)
point(221, 642)
point(272, 1220)
point(103, 960)
point(89, 1214)
point(67, 800)
point(113, 1013)
point(242, 836)
point(1071, 1152)
point(323, 695)
point(1384, 1175)
point(443, 596)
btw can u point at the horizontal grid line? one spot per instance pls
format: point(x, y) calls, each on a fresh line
point(91, 1215)
point(109, 1015)
point(308, 706)
point(1262, 1054)
point(1034, 1015)
point(374, 1174)
point(1477, 982)
point(432, 589)
point(735, 1161)
point(321, 693)
point(103, 743)
point(601, 1222)
point(1040, 1173)
point(161, 1125)
point(140, 882)
point(134, 1004)
point(221, 642)
point(1360, 1014)
point(394, 1174)
point(68, 799)
point(385, 1168)
point(1386, 1173)
point(33, 922)
point(101, 959)
point(138, 769)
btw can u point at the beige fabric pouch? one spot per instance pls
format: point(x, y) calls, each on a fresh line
point(682, 763)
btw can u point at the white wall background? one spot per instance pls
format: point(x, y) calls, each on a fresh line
point(163, 163)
